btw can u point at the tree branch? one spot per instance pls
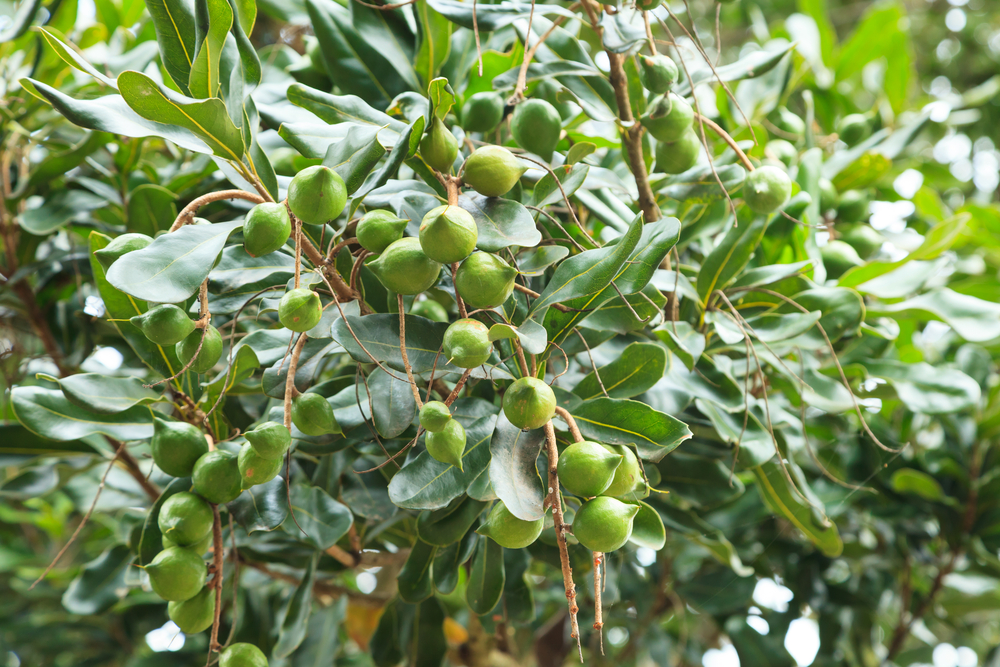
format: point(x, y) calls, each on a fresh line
point(574, 430)
point(187, 213)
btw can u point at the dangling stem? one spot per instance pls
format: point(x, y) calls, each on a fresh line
point(462, 312)
point(555, 501)
point(290, 390)
point(298, 252)
point(598, 607)
point(402, 351)
point(217, 552)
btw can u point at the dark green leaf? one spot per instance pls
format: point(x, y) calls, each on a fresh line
point(501, 222)
point(415, 577)
point(322, 518)
point(261, 507)
point(782, 499)
point(623, 422)
point(105, 395)
point(486, 579)
point(101, 583)
point(173, 266)
point(296, 614)
point(48, 413)
point(394, 408)
point(355, 155)
point(639, 367)
point(514, 471)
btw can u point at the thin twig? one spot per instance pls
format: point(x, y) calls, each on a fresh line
point(402, 351)
point(187, 213)
point(462, 312)
point(458, 387)
point(598, 606)
point(217, 553)
point(593, 364)
point(725, 136)
point(84, 520)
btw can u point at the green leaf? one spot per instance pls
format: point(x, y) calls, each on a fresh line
point(120, 307)
point(16, 440)
point(435, 41)
point(340, 108)
point(973, 319)
point(539, 71)
point(514, 470)
point(322, 635)
point(588, 272)
point(72, 58)
point(518, 598)
point(755, 649)
point(639, 367)
point(429, 643)
point(386, 47)
point(486, 579)
point(938, 239)
point(530, 333)
point(206, 119)
point(322, 518)
point(623, 422)
point(425, 483)
point(843, 309)
point(20, 21)
point(783, 500)
point(394, 408)
point(105, 395)
point(716, 591)
point(151, 209)
point(355, 155)
point(392, 635)
point(175, 33)
point(699, 185)
point(731, 256)
point(261, 507)
point(405, 148)
point(449, 560)
point(173, 266)
point(415, 578)
point(755, 443)
point(47, 412)
point(683, 340)
point(534, 262)
point(492, 17)
point(296, 614)
point(752, 65)
point(767, 275)
point(379, 334)
point(440, 97)
point(447, 526)
point(101, 583)
point(647, 529)
point(64, 206)
point(918, 483)
point(925, 388)
point(502, 223)
point(111, 114)
point(547, 190)
point(702, 481)
point(619, 35)
point(206, 78)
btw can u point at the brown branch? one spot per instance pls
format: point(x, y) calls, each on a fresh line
point(186, 215)
point(598, 606)
point(574, 430)
point(534, 295)
point(462, 312)
point(132, 466)
point(344, 293)
point(218, 550)
point(632, 138)
point(555, 501)
point(458, 387)
point(402, 351)
point(290, 390)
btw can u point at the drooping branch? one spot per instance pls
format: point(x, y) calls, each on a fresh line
point(402, 351)
point(715, 127)
point(186, 215)
point(555, 502)
point(217, 553)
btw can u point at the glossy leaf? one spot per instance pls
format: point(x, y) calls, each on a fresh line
point(173, 266)
point(486, 579)
point(639, 367)
point(355, 155)
point(926, 389)
point(261, 507)
point(49, 414)
point(730, 257)
point(502, 223)
point(395, 408)
point(683, 340)
point(514, 470)
point(205, 77)
point(175, 33)
point(810, 520)
point(647, 529)
point(414, 579)
point(623, 422)
point(296, 614)
point(323, 519)
point(100, 584)
point(105, 395)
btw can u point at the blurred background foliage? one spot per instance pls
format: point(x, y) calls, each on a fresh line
point(891, 60)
